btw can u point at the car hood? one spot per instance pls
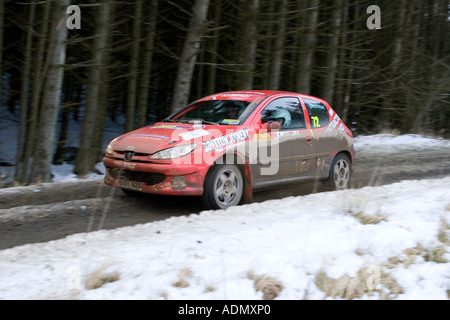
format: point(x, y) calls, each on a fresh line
point(161, 136)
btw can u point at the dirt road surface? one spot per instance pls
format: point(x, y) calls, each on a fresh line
point(46, 212)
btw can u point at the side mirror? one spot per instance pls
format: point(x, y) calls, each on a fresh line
point(271, 126)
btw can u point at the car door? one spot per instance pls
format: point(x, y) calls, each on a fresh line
point(288, 154)
point(319, 117)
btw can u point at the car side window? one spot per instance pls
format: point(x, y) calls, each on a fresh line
point(287, 111)
point(318, 113)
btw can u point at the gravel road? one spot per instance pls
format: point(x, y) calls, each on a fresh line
point(46, 212)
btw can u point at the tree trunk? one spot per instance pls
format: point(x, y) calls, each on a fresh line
point(389, 111)
point(398, 41)
point(147, 64)
point(2, 19)
point(40, 72)
point(248, 46)
point(189, 55)
point(305, 62)
point(43, 156)
point(279, 43)
point(86, 155)
point(59, 154)
point(24, 91)
point(97, 143)
point(213, 50)
point(349, 78)
point(132, 83)
point(331, 62)
point(267, 44)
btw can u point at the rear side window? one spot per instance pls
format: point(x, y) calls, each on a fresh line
point(318, 113)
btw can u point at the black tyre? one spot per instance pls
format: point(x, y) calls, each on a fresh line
point(340, 172)
point(223, 187)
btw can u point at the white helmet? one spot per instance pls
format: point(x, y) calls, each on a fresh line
point(281, 113)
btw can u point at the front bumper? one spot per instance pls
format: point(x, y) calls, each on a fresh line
point(157, 178)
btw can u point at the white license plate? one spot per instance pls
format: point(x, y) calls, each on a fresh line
point(130, 184)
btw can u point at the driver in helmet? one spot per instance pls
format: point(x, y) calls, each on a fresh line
point(281, 116)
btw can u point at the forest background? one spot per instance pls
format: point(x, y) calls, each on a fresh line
point(143, 60)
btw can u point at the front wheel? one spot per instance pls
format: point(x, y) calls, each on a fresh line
point(340, 172)
point(223, 187)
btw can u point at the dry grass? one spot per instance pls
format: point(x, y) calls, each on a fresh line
point(367, 281)
point(100, 277)
point(367, 218)
point(210, 288)
point(443, 235)
point(356, 208)
point(433, 254)
point(411, 254)
point(183, 283)
point(269, 286)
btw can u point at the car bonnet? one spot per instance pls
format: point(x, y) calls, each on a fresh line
point(163, 135)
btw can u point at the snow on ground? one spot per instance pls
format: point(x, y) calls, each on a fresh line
point(304, 244)
point(395, 143)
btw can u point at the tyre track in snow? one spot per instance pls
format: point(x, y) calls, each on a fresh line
point(46, 212)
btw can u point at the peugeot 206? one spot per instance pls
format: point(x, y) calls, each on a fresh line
point(225, 146)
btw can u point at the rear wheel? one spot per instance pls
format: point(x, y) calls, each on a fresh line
point(340, 172)
point(223, 187)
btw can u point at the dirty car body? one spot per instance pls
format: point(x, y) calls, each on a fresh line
point(227, 145)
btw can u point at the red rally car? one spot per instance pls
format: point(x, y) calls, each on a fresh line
point(225, 146)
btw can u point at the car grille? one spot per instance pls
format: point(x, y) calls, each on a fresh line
point(149, 178)
point(136, 157)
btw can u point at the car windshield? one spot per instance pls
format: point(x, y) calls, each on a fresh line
point(225, 112)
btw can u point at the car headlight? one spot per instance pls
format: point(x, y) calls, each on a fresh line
point(175, 152)
point(109, 149)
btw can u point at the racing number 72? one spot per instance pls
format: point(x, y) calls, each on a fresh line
point(315, 120)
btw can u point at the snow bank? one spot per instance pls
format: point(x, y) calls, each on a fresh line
point(301, 242)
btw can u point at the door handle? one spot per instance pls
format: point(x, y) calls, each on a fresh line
point(309, 139)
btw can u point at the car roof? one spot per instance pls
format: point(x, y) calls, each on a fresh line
point(250, 95)
point(245, 95)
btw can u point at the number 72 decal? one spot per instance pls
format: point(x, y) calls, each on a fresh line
point(315, 121)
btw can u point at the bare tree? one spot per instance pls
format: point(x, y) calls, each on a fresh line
point(305, 58)
point(212, 72)
point(279, 46)
point(147, 63)
point(134, 63)
point(24, 90)
point(332, 54)
point(40, 71)
point(189, 55)
point(86, 155)
point(248, 44)
point(43, 155)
